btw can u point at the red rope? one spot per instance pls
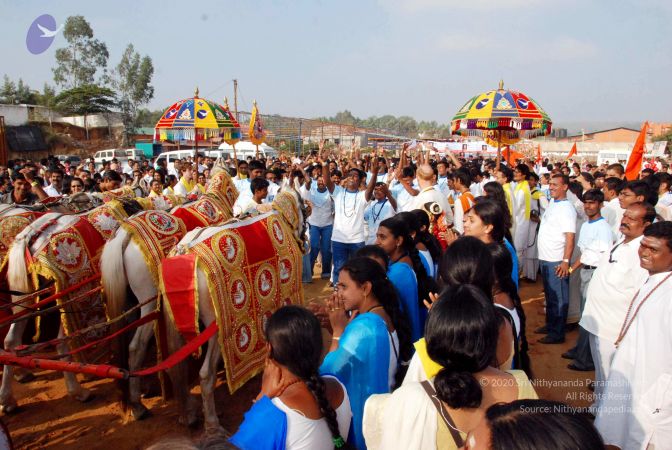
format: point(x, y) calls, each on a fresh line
point(141, 321)
point(182, 353)
point(49, 299)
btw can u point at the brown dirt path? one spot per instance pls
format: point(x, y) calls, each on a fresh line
point(50, 419)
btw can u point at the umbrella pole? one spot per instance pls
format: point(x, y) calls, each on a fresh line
point(256, 152)
point(499, 148)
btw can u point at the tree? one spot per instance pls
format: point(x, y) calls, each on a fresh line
point(78, 63)
point(85, 100)
point(132, 80)
point(147, 118)
point(14, 93)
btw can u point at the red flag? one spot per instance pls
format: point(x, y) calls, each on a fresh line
point(637, 156)
point(572, 152)
point(538, 160)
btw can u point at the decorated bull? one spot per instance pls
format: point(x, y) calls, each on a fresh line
point(133, 257)
point(237, 275)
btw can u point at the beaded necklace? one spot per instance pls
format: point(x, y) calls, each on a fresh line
point(354, 204)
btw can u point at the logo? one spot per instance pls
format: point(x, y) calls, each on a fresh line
point(482, 103)
point(202, 114)
point(522, 103)
point(170, 114)
point(41, 34)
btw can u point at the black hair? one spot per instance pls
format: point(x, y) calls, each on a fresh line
point(527, 424)
point(495, 191)
point(593, 195)
point(502, 268)
point(362, 270)
point(407, 172)
point(617, 168)
point(373, 251)
point(170, 178)
point(111, 175)
point(490, 212)
point(468, 261)
point(641, 187)
point(256, 165)
point(576, 188)
point(461, 335)
point(257, 184)
point(242, 162)
point(615, 184)
point(660, 230)
point(506, 172)
point(295, 338)
point(399, 227)
point(424, 236)
point(463, 176)
point(524, 169)
point(664, 177)
point(338, 173)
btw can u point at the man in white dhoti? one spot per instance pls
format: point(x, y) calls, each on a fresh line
point(635, 411)
point(614, 283)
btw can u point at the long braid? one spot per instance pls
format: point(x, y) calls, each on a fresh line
point(316, 386)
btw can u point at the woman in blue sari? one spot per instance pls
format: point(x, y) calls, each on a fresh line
point(405, 270)
point(367, 346)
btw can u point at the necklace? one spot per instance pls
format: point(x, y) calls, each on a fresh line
point(298, 380)
point(374, 307)
point(373, 210)
point(400, 257)
point(354, 204)
point(626, 323)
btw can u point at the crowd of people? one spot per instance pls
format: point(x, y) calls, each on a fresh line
point(428, 342)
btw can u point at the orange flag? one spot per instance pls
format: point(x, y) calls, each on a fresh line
point(538, 160)
point(637, 156)
point(572, 152)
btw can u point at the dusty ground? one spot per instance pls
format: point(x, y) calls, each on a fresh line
point(50, 419)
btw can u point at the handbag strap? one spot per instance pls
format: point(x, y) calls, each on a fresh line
point(443, 413)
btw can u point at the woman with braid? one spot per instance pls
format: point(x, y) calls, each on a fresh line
point(297, 408)
point(370, 337)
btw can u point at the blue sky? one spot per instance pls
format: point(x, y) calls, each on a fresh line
point(581, 60)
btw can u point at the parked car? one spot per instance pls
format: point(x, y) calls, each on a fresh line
point(74, 159)
point(109, 155)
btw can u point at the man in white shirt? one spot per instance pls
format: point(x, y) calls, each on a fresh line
point(349, 205)
point(273, 186)
point(404, 189)
point(464, 200)
point(249, 205)
point(635, 411)
point(429, 192)
point(612, 211)
point(595, 239)
point(55, 189)
point(614, 283)
point(321, 221)
point(255, 169)
point(555, 244)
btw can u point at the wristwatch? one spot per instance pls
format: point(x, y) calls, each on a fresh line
point(565, 260)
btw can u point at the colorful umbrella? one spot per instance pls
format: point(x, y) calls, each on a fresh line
point(501, 117)
point(196, 119)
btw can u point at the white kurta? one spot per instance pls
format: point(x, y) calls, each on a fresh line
point(636, 408)
point(521, 219)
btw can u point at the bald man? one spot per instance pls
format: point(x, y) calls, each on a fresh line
point(429, 192)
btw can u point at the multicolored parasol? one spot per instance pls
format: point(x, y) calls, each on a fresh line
point(196, 119)
point(501, 117)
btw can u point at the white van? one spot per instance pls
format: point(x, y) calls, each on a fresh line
point(108, 155)
point(135, 154)
point(247, 149)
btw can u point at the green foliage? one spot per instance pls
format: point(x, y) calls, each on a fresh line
point(132, 80)
point(147, 118)
point(403, 125)
point(16, 93)
point(77, 64)
point(85, 99)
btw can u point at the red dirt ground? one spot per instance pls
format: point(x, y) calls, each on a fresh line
point(50, 419)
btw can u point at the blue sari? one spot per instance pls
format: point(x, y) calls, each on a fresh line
point(405, 282)
point(264, 428)
point(514, 260)
point(361, 362)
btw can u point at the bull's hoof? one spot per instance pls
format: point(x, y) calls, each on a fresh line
point(23, 376)
point(9, 407)
point(139, 412)
point(188, 420)
point(84, 396)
